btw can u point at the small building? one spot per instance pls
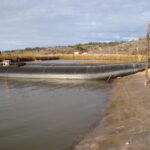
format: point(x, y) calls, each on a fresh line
point(6, 63)
point(85, 53)
point(76, 53)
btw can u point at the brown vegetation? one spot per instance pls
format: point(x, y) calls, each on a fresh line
point(128, 51)
point(122, 47)
point(33, 57)
point(26, 57)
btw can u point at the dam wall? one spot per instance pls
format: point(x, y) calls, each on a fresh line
point(71, 71)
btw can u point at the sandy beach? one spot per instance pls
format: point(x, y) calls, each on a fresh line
point(126, 121)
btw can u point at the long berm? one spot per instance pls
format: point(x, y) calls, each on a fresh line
point(85, 71)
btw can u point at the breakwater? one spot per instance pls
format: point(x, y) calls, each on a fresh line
point(86, 71)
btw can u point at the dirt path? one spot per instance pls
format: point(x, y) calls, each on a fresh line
point(126, 123)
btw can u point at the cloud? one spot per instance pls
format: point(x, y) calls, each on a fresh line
point(65, 22)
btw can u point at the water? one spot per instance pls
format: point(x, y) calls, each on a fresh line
point(48, 115)
point(79, 61)
point(126, 120)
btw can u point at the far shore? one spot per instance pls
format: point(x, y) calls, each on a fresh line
point(36, 57)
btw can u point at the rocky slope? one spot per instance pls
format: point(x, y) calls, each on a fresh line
point(123, 47)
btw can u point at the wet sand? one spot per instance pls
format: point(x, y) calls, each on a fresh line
point(126, 121)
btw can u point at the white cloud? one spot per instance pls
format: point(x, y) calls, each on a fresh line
point(56, 22)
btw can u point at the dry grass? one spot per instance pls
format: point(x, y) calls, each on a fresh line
point(137, 58)
point(32, 57)
point(26, 57)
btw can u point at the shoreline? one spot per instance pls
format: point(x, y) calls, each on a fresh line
point(98, 71)
point(126, 121)
point(43, 57)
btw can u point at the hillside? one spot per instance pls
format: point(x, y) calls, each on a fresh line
point(122, 47)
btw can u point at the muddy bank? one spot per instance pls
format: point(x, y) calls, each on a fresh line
point(126, 122)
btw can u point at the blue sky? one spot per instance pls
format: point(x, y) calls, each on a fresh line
point(43, 23)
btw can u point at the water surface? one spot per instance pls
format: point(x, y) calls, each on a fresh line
point(48, 115)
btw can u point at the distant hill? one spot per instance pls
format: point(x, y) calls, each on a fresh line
point(122, 47)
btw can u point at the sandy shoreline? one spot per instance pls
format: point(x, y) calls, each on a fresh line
point(126, 122)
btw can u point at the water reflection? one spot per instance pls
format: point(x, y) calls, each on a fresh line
point(48, 114)
point(22, 83)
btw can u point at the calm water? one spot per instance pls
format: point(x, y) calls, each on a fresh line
point(48, 115)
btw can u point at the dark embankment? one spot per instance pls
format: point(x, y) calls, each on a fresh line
point(71, 71)
point(126, 121)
